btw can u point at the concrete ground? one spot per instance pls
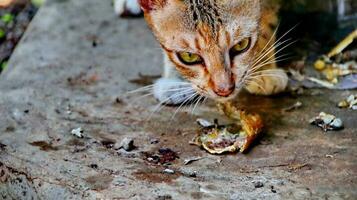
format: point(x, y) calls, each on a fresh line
point(71, 70)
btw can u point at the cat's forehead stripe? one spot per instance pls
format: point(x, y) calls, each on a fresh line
point(205, 11)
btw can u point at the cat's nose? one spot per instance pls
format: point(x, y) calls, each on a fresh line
point(224, 91)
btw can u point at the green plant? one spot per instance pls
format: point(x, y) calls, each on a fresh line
point(7, 18)
point(2, 33)
point(3, 65)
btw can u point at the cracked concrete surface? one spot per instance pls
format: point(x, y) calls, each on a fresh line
point(71, 70)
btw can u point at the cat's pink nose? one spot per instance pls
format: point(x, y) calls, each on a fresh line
point(224, 91)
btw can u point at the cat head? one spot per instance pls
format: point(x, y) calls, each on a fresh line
point(211, 42)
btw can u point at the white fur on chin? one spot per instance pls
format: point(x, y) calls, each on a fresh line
point(133, 6)
point(167, 90)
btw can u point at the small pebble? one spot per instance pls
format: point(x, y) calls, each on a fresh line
point(190, 160)
point(77, 132)
point(154, 141)
point(94, 166)
point(204, 123)
point(127, 144)
point(169, 171)
point(258, 184)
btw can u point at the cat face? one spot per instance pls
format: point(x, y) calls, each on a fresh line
point(211, 42)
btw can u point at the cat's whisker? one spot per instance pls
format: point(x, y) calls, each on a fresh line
point(267, 62)
point(268, 74)
point(182, 104)
point(193, 103)
point(282, 48)
point(270, 40)
point(272, 50)
point(148, 87)
point(272, 61)
point(276, 42)
point(264, 71)
point(197, 103)
point(278, 76)
point(133, 101)
point(162, 103)
point(255, 83)
point(204, 100)
point(266, 51)
point(276, 73)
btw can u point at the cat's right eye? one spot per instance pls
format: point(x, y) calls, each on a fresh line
point(189, 58)
point(240, 47)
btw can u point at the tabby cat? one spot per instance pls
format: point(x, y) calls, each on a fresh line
point(213, 48)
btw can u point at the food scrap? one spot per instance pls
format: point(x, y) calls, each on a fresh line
point(165, 156)
point(296, 106)
point(77, 132)
point(338, 63)
point(327, 122)
point(350, 102)
point(191, 160)
point(219, 139)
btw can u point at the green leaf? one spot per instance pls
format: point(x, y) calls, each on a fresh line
point(2, 33)
point(7, 18)
point(3, 66)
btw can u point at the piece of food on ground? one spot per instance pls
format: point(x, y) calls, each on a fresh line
point(219, 139)
point(327, 122)
point(338, 63)
point(349, 102)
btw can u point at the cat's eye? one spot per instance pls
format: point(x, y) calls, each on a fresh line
point(189, 58)
point(240, 47)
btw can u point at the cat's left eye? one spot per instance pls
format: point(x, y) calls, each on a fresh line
point(240, 47)
point(189, 58)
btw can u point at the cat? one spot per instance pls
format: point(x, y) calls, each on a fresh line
point(213, 48)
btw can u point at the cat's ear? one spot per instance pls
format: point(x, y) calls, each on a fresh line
point(149, 5)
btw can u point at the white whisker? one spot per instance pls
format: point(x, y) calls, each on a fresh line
point(262, 54)
point(151, 93)
point(255, 83)
point(275, 60)
point(162, 103)
point(272, 49)
point(198, 101)
point(182, 104)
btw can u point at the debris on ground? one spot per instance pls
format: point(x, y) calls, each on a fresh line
point(191, 160)
point(219, 139)
point(127, 144)
point(108, 143)
point(168, 171)
point(154, 141)
point(77, 132)
point(258, 184)
point(204, 123)
point(322, 83)
point(327, 122)
point(349, 102)
point(336, 70)
point(339, 62)
point(164, 156)
point(296, 106)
